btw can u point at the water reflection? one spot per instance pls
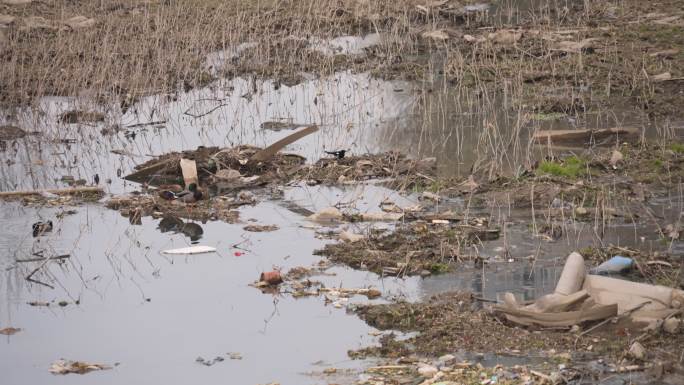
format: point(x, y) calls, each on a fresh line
point(176, 225)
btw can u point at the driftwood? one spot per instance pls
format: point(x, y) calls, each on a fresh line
point(144, 173)
point(564, 136)
point(271, 150)
point(59, 191)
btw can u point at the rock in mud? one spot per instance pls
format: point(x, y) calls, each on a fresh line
point(427, 371)
point(637, 351)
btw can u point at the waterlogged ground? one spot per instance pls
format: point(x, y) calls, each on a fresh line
point(154, 315)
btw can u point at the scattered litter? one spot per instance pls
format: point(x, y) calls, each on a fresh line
point(10, 331)
point(661, 77)
point(616, 158)
point(211, 362)
point(506, 36)
point(668, 53)
point(430, 196)
point(348, 236)
point(586, 45)
point(672, 231)
point(327, 215)
point(477, 7)
point(191, 250)
point(380, 217)
point(580, 297)
point(279, 126)
point(616, 265)
point(271, 278)
point(78, 367)
point(671, 325)
point(260, 228)
point(38, 303)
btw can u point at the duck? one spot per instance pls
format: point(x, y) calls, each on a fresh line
point(191, 195)
point(41, 227)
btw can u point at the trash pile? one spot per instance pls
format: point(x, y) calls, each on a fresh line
point(207, 183)
point(581, 297)
point(77, 367)
point(298, 284)
point(433, 244)
point(402, 171)
point(228, 168)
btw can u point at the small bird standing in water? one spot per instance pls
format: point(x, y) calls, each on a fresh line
point(339, 154)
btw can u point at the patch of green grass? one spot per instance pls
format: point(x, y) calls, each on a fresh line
point(677, 148)
point(657, 163)
point(439, 268)
point(571, 167)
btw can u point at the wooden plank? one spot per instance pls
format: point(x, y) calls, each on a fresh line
point(584, 135)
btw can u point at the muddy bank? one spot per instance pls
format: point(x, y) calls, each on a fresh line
point(456, 321)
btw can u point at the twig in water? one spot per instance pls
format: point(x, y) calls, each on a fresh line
point(42, 259)
point(186, 112)
point(30, 276)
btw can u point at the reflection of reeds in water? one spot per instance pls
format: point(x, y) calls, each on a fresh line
point(474, 114)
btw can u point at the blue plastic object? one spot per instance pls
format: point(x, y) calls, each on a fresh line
point(616, 265)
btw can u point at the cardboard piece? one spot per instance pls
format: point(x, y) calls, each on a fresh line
point(189, 170)
point(579, 297)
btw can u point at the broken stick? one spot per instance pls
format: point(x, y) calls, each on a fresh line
point(271, 150)
point(42, 259)
point(30, 276)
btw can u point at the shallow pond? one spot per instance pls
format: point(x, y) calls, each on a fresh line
point(156, 314)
